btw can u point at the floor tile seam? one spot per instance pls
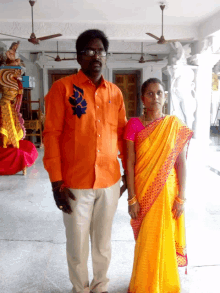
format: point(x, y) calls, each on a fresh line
point(26, 240)
point(57, 243)
point(214, 170)
point(28, 178)
point(119, 240)
point(202, 266)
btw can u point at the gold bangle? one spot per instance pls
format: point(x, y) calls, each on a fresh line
point(132, 201)
point(180, 200)
point(132, 198)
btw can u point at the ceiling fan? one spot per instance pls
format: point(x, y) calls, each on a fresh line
point(141, 60)
point(58, 59)
point(162, 40)
point(33, 39)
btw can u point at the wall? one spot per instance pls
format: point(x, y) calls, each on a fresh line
point(36, 93)
point(210, 27)
point(149, 69)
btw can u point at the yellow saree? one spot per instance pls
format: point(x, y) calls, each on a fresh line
point(160, 240)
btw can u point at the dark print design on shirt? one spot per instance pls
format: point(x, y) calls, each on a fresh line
point(79, 104)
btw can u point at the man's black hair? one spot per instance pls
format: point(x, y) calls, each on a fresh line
point(150, 81)
point(88, 35)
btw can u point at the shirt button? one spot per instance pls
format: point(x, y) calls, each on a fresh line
point(97, 106)
point(98, 151)
point(99, 135)
point(96, 94)
point(98, 120)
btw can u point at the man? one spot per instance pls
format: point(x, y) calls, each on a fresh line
point(85, 120)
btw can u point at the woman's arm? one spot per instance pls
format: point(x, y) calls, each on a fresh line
point(180, 165)
point(130, 168)
point(181, 172)
point(131, 158)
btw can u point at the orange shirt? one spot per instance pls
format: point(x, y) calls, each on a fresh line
point(83, 132)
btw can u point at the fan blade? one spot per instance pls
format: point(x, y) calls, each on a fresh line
point(153, 36)
point(69, 59)
point(155, 60)
point(13, 36)
point(49, 56)
point(179, 40)
point(49, 37)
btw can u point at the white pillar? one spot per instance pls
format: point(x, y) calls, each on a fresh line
point(203, 80)
point(45, 80)
point(182, 97)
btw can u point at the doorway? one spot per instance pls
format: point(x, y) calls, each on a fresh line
point(129, 82)
point(55, 74)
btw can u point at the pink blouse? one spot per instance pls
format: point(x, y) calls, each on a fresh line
point(133, 127)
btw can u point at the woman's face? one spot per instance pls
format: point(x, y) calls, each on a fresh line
point(154, 97)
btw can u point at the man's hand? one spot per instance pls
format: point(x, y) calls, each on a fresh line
point(124, 186)
point(62, 197)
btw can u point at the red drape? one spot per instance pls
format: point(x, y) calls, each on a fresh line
point(13, 160)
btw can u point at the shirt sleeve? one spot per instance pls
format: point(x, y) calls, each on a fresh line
point(55, 113)
point(122, 121)
point(130, 131)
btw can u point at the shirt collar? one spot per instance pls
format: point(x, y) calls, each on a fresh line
point(84, 79)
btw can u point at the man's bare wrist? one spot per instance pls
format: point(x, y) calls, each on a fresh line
point(56, 184)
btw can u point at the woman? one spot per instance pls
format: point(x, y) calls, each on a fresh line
point(156, 173)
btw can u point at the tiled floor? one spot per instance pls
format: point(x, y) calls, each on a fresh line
point(32, 238)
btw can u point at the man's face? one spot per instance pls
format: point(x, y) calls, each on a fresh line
point(92, 65)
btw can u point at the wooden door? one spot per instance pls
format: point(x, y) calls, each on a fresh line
point(26, 104)
point(128, 85)
point(55, 77)
point(55, 74)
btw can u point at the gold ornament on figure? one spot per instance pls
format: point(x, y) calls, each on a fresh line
point(10, 127)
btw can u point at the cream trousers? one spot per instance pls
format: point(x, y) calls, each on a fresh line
point(93, 213)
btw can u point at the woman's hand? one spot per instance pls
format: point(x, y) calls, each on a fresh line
point(133, 210)
point(177, 209)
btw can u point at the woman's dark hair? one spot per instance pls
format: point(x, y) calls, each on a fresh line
point(150, 81)
point(88, 35)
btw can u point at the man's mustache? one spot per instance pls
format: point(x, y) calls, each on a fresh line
point(97, 62)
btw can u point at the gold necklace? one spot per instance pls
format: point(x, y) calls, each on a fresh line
point(151, 120)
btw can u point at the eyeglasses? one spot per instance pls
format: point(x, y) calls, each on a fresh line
point(91, 52)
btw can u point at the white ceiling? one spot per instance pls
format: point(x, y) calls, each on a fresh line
point(178, 12)
point(122, 20)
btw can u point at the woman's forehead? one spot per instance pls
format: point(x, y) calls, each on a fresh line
point(154, 87)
